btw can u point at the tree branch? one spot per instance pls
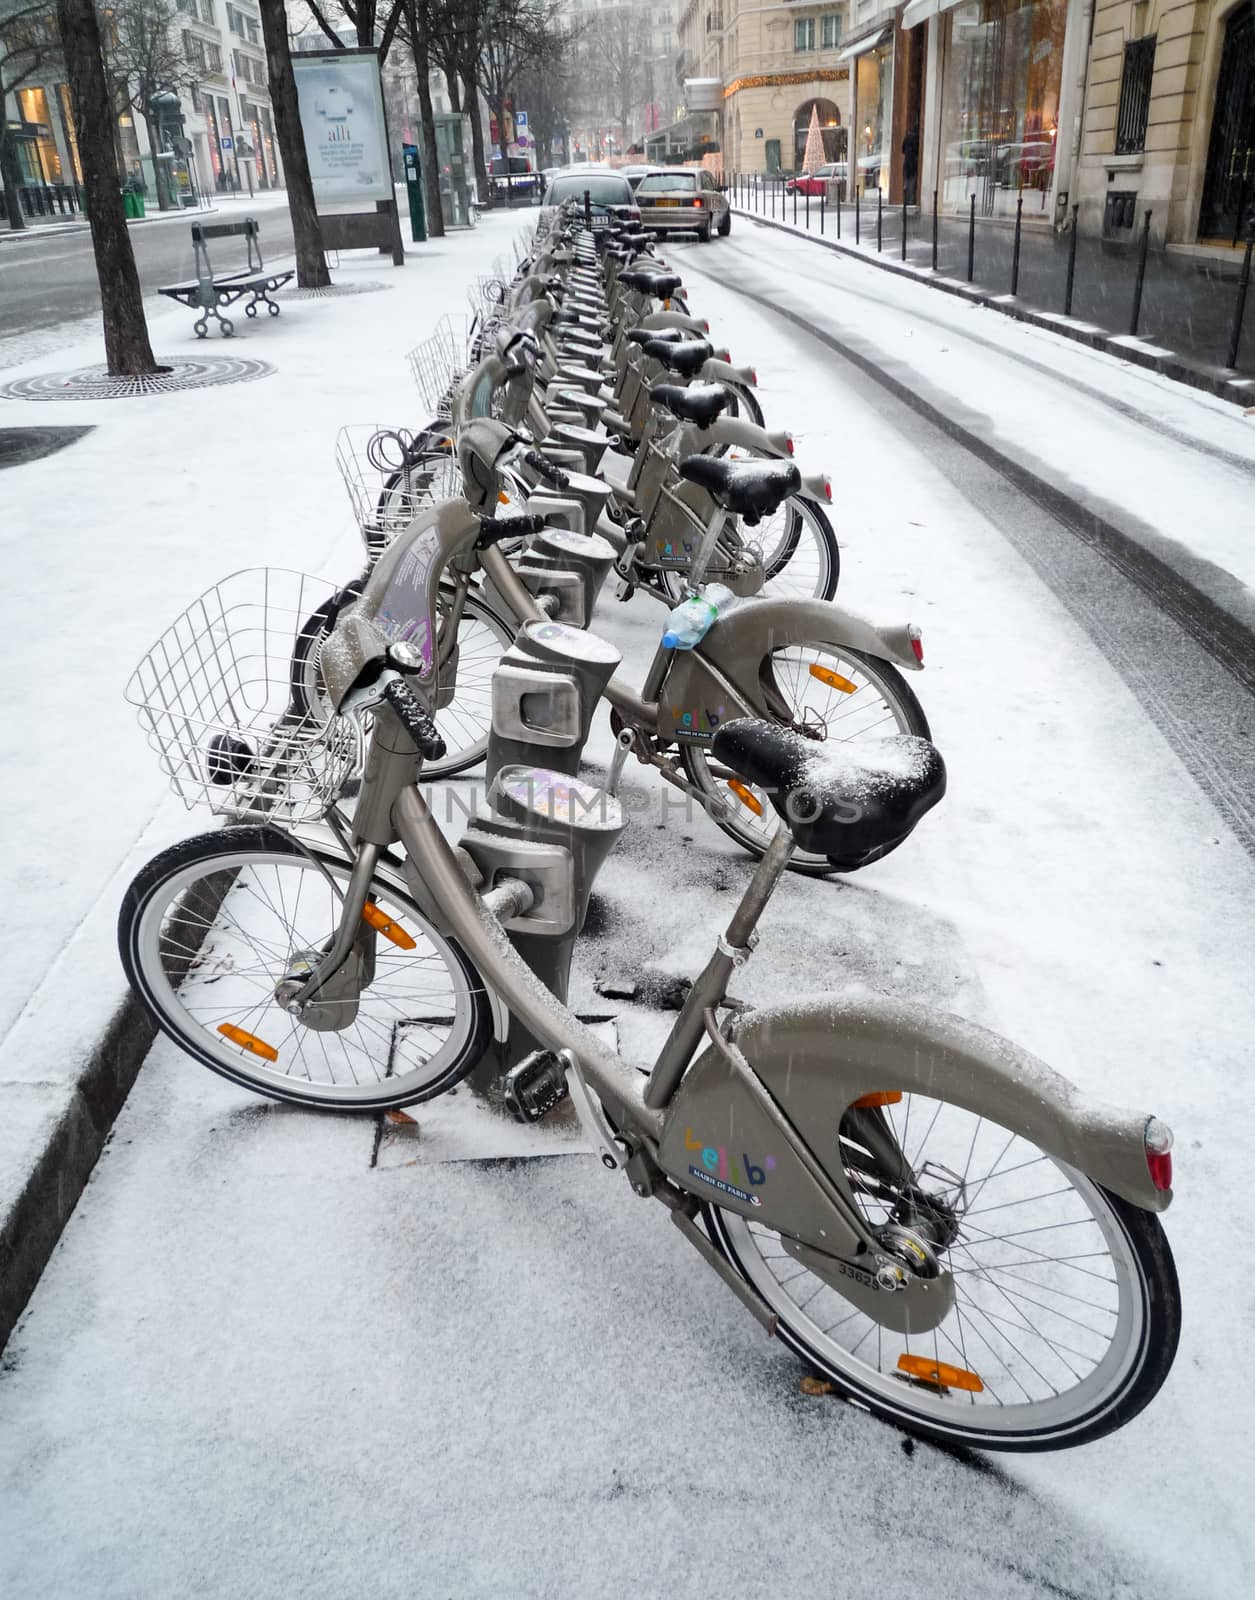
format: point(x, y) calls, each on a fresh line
point(325, 25)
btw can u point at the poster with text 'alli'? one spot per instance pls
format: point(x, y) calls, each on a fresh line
point(342, 118)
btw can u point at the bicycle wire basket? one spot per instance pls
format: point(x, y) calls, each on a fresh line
point(228, 698)
point(438, 361)
point(389, 479)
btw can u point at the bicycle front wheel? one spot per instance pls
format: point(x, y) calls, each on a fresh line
point(209, 929)
point(821, 689)
point(1065, 1314)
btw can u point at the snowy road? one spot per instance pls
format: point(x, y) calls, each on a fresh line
point(278, 1353)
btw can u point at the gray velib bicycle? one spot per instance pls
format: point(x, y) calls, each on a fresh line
point(941, 1225)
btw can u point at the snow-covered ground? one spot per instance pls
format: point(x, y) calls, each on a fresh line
point(268, 1357)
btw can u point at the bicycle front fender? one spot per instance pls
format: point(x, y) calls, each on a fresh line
point(818, 1056)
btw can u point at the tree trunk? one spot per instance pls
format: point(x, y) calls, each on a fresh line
point(160, 172)
point(11, 174)
point(311, 264)
point(455, 90)
point(430, 155)
point(127, 349)
point(482, 181)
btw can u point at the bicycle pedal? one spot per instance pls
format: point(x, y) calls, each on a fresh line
point(535, 1086)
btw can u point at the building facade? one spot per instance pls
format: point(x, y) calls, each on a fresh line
point(773, 65)
point(214, 129)
point(1102, 109)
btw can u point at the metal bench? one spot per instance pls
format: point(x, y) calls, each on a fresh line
point(211, 290)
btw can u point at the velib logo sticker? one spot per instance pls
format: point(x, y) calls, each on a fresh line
point(735, 1175)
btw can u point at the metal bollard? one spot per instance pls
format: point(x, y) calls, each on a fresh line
point(823, 208)
point(1143, 247)
point(934, 230)
point(1239, 309)
point(904, 230)
point(858, 219)
point(795, 204)
point(971, 241)
point(1015, 249)
point(1067, 291)
point(808, 211)
point(840, 201)
point(880, 220)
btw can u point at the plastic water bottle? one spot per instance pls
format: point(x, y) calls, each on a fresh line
point(691, 621)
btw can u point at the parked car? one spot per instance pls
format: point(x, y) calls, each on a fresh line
point(815, 183)
point(635, 174)
point(609, 193)
point(687, 199)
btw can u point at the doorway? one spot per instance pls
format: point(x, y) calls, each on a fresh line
point(1229, 182)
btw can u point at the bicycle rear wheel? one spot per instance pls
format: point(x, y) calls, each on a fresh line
point(210, 928)
point(1066, 1310)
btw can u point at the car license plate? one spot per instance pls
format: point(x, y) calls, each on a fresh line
point(666, 202)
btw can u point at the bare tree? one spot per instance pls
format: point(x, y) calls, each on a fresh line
point(25, 40)
point(145, 59)
point(311, 264)
point(524, 34)
point(375, 22)
point(127, 348)
point(619, 47)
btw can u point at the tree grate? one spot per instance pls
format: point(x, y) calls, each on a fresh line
point(95, 383)
point(335, 289)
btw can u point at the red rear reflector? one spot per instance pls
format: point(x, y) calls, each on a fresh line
point(916, 638)
point(1158, 1141)
point(788, 445)
point(828, 489)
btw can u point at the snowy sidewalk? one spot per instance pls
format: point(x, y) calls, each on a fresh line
point(105, 543)
point(271, 1356)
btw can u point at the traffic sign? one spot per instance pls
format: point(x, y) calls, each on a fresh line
point(227, 142)
point(520, 119)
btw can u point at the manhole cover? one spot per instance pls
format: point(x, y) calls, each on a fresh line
point(95, 383)
point(335, 290)
point(19, 445)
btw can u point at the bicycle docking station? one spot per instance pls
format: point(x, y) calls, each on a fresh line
point(543, 826)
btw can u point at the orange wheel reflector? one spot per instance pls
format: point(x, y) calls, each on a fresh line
point(666, 304)
point(881, 1097)
point(834, 680)
point(248, 1041)
point(381, 923)
point(941, 1373)
point(503, 498)
point(745, 797)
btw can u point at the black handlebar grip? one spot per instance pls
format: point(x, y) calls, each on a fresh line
point(416, 719)
point(493, 529)
point(547, 470)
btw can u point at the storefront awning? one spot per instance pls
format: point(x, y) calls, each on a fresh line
point(924, 10)
point(919, 11)
point(864, 45)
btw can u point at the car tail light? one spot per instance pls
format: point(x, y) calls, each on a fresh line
point(1157, 1139)
point(916, 638)
point(698, 204)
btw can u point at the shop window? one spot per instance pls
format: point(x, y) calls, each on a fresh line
point(1139, 69)
point(71, 133)
point(804, 33)
point(831, 31)
point(33, 104)
point(1000, 104)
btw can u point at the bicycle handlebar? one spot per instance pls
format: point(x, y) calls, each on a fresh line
point(416, 719)
point(545, 469)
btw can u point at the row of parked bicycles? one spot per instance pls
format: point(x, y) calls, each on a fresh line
point(949, 1232)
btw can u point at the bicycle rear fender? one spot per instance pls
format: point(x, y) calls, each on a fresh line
point(719, 679)
point(817, 1056)
point(742, 435)
point(715, 371)
point(726, 1142)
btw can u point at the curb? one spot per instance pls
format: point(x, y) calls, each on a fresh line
point(33, 1223)
point(1219, 381)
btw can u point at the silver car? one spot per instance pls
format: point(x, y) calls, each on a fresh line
point(683, 198)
